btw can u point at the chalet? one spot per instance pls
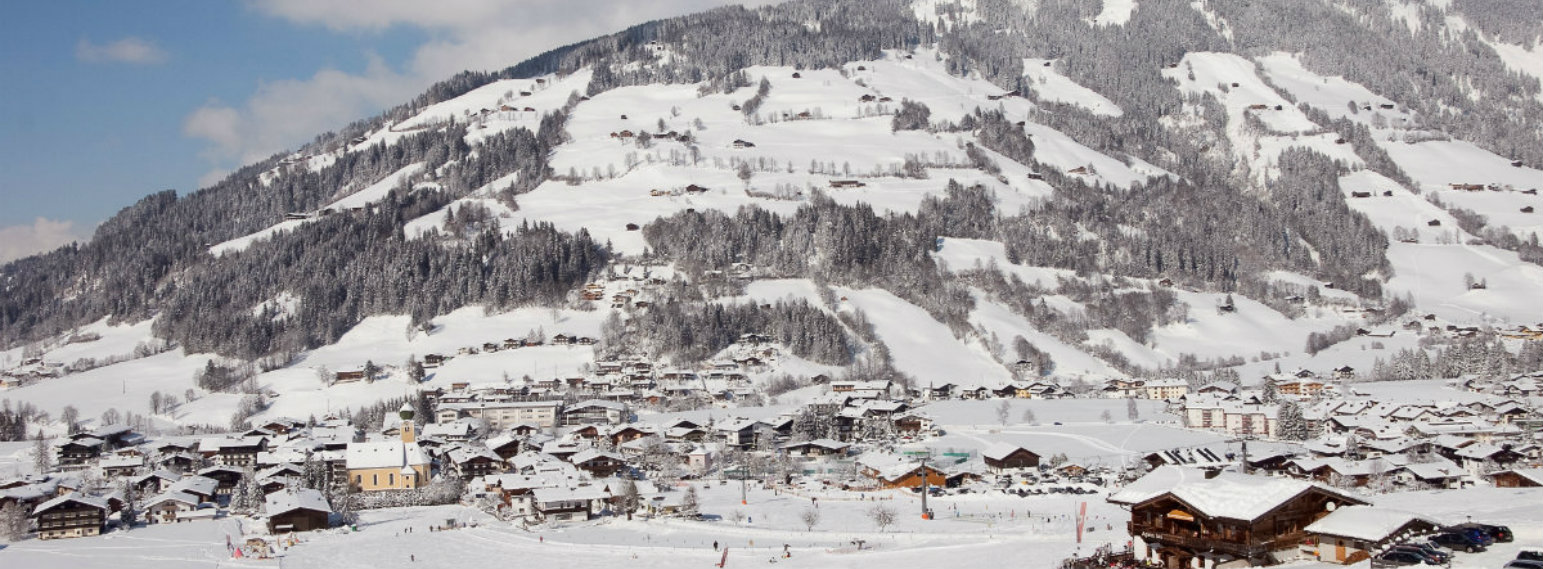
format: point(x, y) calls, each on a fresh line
point(78, 451)
point(348, 376)
point(568, 504)
point(695, 189)
point(1179, 516)
point(867, 99)
point(1468, 187)
point(1080, 170)
point(303, 509)
point(816, 448)
point(472, 462)
point(74, 515)
point(842, 184)
point(433, 360)
point(907, 475)
point(155, 482)
point(741, 143)
point(598, 463)
point(1166, 389)
point(1354, 533)
point(1518, 478)
point(225, 477)
point(1527, 209)
point(1000, 457)
point(594, 412)
point(1434, 223)
point(177, 506)
point(1360, 194)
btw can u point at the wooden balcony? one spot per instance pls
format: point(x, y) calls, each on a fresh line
point(1246, 548)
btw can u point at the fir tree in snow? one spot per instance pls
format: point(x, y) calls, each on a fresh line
point(1292, 426)
point(690, 502)
point(13, 521)
point(1132, 412)
point(42, 455)
point(129, 515)
point(1267, 393)
point(247, 497)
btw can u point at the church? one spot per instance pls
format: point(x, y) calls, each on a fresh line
point(389, 465)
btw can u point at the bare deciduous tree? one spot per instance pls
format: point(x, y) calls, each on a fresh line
point(810, 517)
point(882, 515)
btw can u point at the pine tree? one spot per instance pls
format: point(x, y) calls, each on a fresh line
point(13, 521)
point(247, 497)
point(129, 515)
point(690, 502)
point(42, 455)
point(1291, 425)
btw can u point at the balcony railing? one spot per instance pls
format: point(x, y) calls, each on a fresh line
point(1215, 542)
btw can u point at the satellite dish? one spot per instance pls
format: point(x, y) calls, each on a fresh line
point(1330, 506)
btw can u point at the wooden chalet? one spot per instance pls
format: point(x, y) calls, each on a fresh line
point(1518, 478)
point(1179, 516)
point(297, 510)
point(73, 515)
point(1354, 533)
point(1000, 457)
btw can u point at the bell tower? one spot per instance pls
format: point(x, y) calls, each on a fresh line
point(406, 413)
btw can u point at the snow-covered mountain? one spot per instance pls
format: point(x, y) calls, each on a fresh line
point(969, 193)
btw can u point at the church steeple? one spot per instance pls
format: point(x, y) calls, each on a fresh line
point(406, 413)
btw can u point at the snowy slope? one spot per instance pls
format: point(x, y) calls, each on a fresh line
point(1048, 84)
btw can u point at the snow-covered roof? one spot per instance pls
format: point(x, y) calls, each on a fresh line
point(1243, 496)
point(290, 500)
point(385, 454)
point(174, 496)
point(93, 501)
point(589, 454)
point(1367, 523)
point(201, 485)
point(567, 494)
point(1533, 474)
point(999, 451)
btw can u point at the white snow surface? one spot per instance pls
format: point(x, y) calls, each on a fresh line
point(1048, 84)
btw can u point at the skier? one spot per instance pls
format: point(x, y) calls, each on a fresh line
point(715, 545)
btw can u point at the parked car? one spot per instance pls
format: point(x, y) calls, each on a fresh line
point(1475, 533)
point(1400, 558)
point(1427, 547)
point(1432, 556)
point(1523, 564)
point(1530, 554)
point(1500, 534)
point(1458, 542)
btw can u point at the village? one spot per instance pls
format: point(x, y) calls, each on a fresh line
point(1291, 470)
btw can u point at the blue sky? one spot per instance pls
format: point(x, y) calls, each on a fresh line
point(105, 102)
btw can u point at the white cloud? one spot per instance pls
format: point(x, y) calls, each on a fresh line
point(127, 50)
point(468, 34)
point(285, 113)
point(43, 235)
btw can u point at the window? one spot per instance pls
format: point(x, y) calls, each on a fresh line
point(375, 480)
point(391, 479)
